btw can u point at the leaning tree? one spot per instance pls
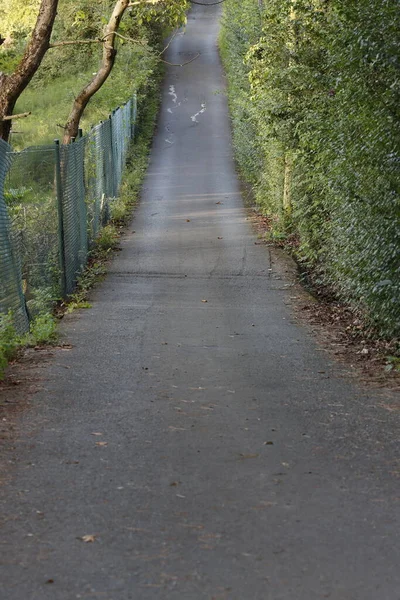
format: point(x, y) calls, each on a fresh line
point(12, 85)
point(169, 11)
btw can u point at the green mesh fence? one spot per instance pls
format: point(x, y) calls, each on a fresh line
point(31, 199)
point(74, 213)
point(11, 295)
point(57, 198)
point(121, 131)
point(99, 176)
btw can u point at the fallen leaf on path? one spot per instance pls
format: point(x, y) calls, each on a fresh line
point(101, 443)
point(264, 505)
point(172, 428)
point(220, 238)
point(180, 496)
point(187, 220)
point(389, 407)
point(204, 300)
point(88, 538)
point(268, 443)
point(208, 536)
point(96, 433)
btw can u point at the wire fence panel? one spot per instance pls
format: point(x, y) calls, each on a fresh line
point(74, 213)
point(31, 199)
point(54, 200)
point(121, 128)
point(11, 294)
point(99, 176)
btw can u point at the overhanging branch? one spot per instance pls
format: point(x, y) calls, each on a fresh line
point(180, 64)
point(13, 117)
point(73, 42)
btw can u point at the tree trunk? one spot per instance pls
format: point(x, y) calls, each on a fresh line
point(12, 86)
point(287, 187)
point(107, 63)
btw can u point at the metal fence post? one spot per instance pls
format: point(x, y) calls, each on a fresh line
point(113, 178)
point(82, 207)
point(133, 117)
point(61, 242)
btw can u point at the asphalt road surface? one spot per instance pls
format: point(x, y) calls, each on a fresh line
point(194, 430)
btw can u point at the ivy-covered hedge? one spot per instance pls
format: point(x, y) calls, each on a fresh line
point(315, 98)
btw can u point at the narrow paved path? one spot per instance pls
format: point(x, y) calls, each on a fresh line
point(194, 429)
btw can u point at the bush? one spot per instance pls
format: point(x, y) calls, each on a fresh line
point(9, 341)
point(43, 330)
point(320, 85)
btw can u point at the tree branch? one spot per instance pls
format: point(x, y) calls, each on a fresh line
point(170, 41)
point(206, 3)
point(107, 63)
point(12, 86)
point(72, 42)
point(12, 117)
point(126, 38)
point(141, 2)
point(180, 64)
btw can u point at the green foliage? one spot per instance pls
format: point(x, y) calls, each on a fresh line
point(42, 300)
point(322, 81)
point(108, 238)
point(50, 98)
point(393, 363)
point(65, 70)
point(168, 13)
point(43, 330)
point(18, 18)
point(93, 274)
point(8, 341)
point(241, 28)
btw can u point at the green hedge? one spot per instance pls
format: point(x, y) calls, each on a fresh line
point(314, 92)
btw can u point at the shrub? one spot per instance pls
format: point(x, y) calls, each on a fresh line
point(320, 86)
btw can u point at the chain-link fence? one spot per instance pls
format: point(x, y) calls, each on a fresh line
point(11, 295)
point(54, 199)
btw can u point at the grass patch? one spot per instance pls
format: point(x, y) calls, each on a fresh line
point(50, 99)
point(43, 330)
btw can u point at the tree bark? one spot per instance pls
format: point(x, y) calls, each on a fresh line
point(12, 86)
point(107, 63)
